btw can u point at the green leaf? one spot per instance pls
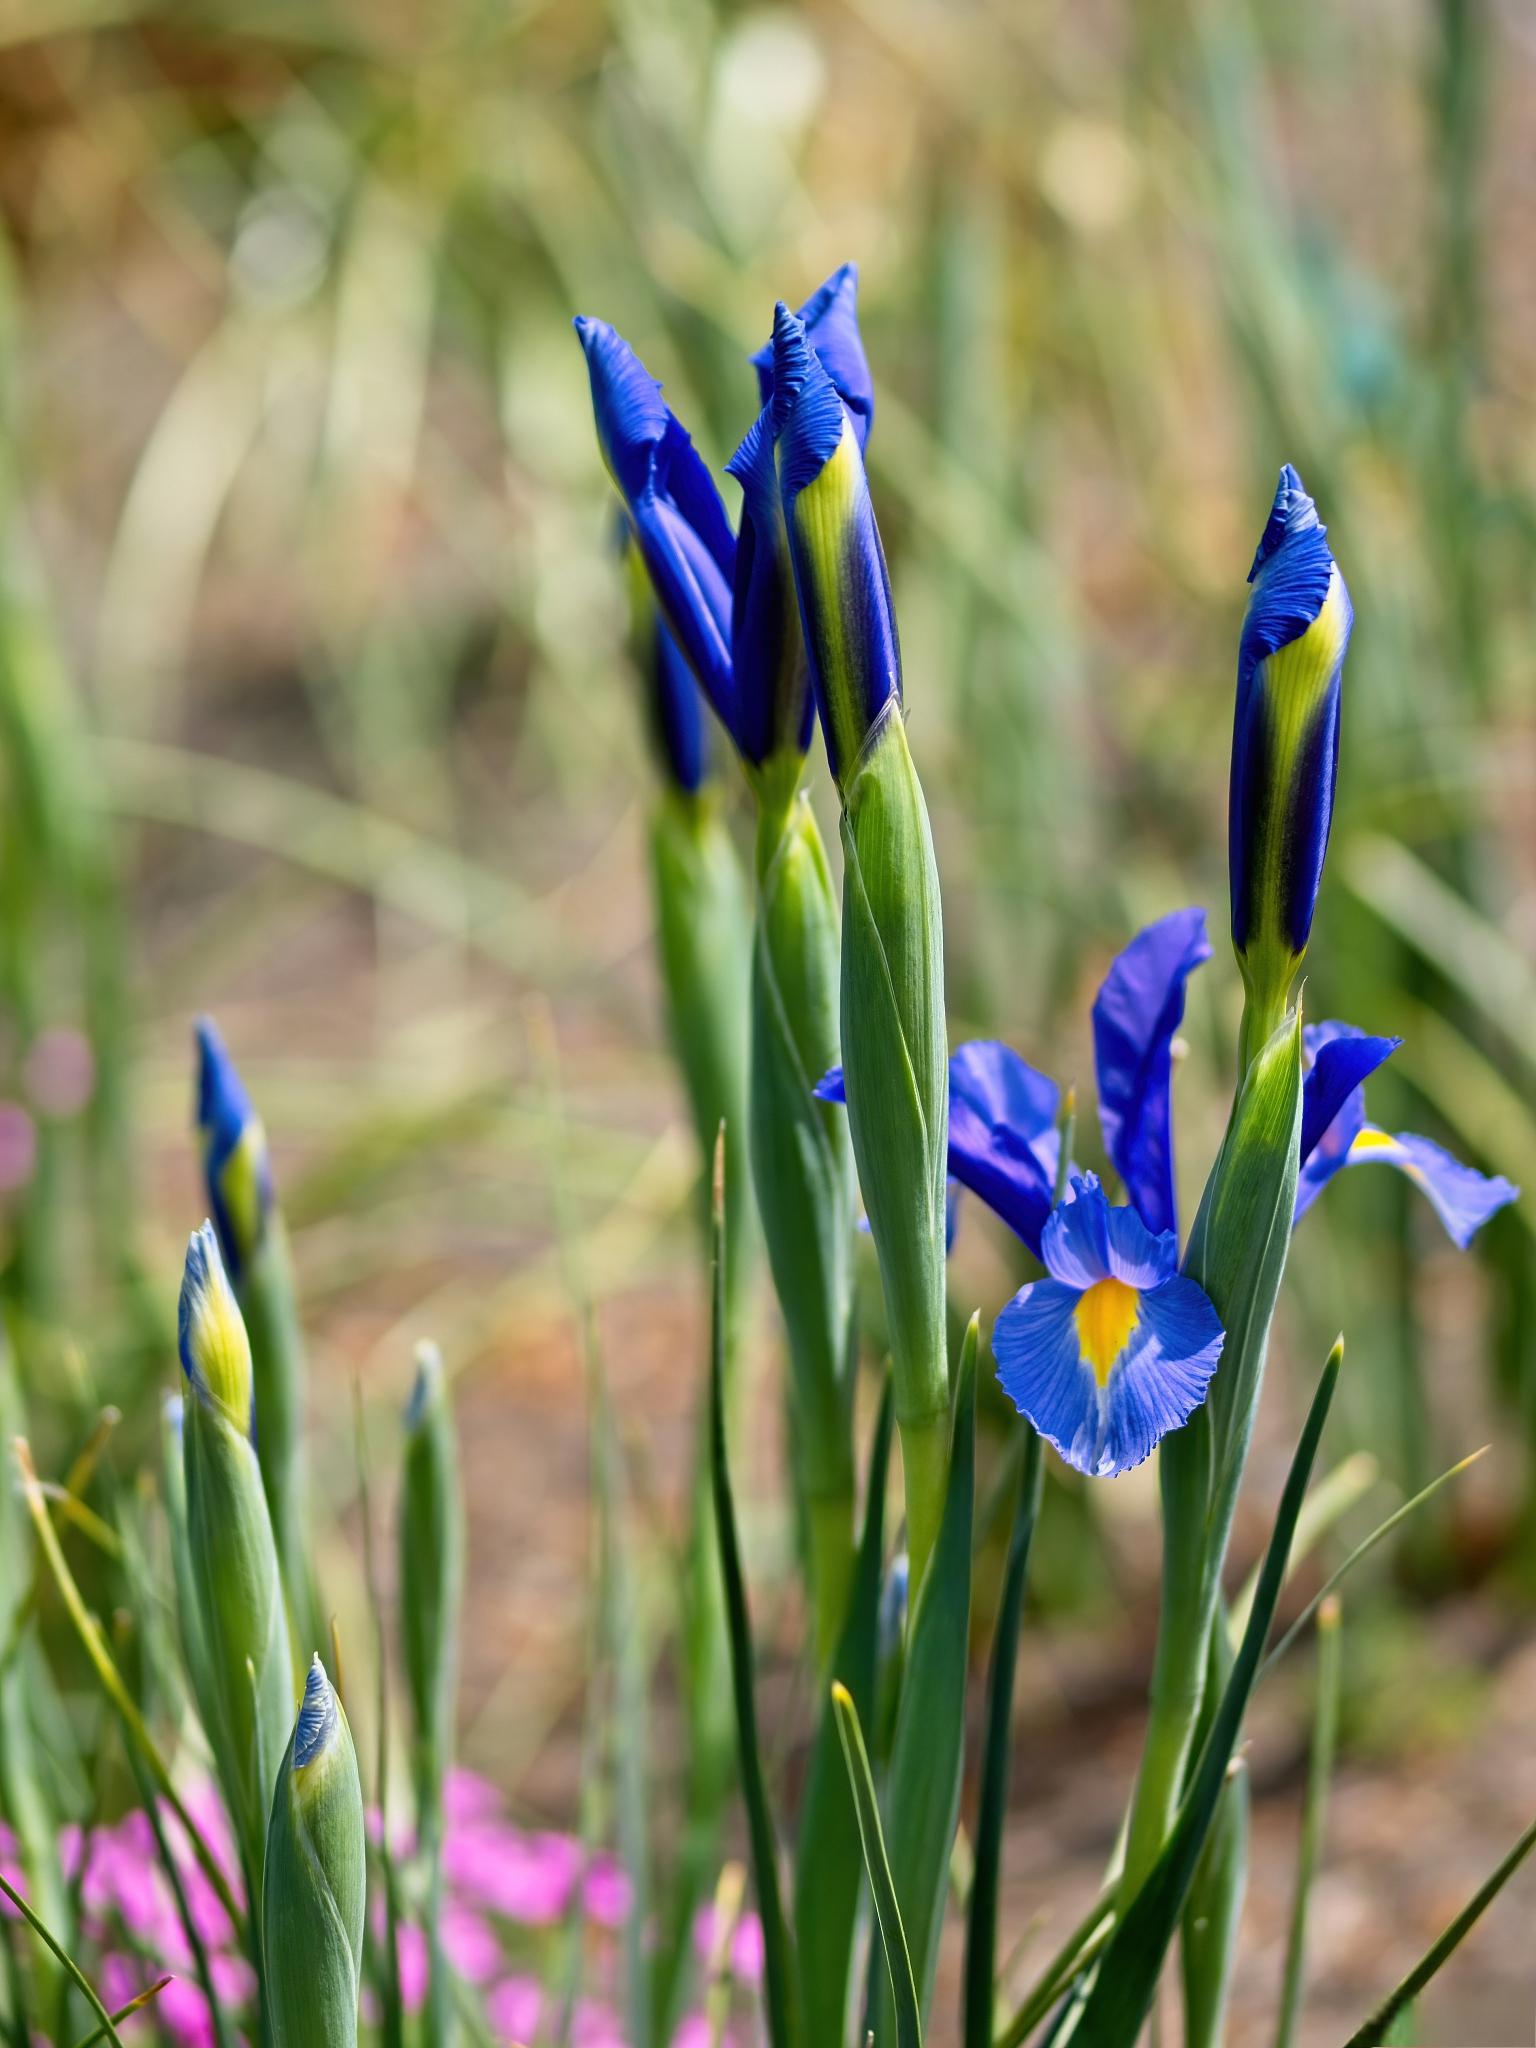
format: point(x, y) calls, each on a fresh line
point(981, 1929)
point(909, 2020)
point(779, 1976)
point(1381, 2026)
point(1128, 1973)
point(828, 1864)
point(922, 1793)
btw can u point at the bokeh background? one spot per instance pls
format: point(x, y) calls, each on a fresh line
point(315, 713)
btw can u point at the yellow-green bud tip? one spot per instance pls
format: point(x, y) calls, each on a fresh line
point(427, 1387)
point(210, 1331)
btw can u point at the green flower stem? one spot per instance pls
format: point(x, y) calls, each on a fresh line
point(802, 1170)
point(265, 1292)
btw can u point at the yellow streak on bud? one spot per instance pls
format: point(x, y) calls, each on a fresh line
point(240, 1186)
point(1105, 1318)
point(221, 1351)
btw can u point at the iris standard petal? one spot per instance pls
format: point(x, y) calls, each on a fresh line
point(1003, 1141)
point(1163, 1375)
point(831, 322)
point(1285, 740)
point(1042, 1370)
point(673, 704)
point(1086, 1241)
point(774, 706)
point(841, 580)
point(1461, 1197)
point(1341, 1059)
point(677, 515)
point(1135, 1016)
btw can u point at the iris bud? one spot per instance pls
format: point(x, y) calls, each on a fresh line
point(312, 1915)
point(256, 1257)
point(431, 1532)
point(674, 709)
point(674, 509)
point(839, 565)
point(892, 983)
point(1285, 748)
point(235, 1580)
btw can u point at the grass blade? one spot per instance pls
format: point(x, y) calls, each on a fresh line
point(981, 1929)
point(1380, 2027)
point(829, 1864)
point(1127, 1977)
point(1314, 1812)
point(909, 2020)
point(70, 1965)
point(89, 1631)
point(124, 2012)
point(779, 1977)
point(1333, 1497)
point(1361, 1550)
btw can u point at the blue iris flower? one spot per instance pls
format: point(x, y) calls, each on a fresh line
point(676, 513)
point(1115, 1346)
point(1335, 1134)
point(831, 322)
point(236, 1167)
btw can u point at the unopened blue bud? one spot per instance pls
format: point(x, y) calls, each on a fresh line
point(841, 580)
point(235, 1162)
point(1285, 746)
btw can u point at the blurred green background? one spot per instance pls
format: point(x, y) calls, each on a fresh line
point(314, 710)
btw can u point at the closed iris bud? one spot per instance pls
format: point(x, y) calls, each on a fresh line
point(673, 705)
point(839, 565)
point(255, 1248)
point(1285, 748)
point(673, 507)
point(312, 1913)
point(235, 1580)
point(431, 1535)
point(774, 703)
point(892, 972)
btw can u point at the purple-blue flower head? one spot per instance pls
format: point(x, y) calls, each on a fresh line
point(673, 703)
point(236, 1166)
point(774, 705)
point(840, 575)
point(679, 520)
point(1115, 1347)
point(830, 318)
point(1285, 743)
point(1335, 1134)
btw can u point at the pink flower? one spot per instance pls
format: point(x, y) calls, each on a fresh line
point(468, 1798)
point(513, 2008)
point(606, 1892)
point(470, 1944)
point(528, 1878)
point(746, 1943)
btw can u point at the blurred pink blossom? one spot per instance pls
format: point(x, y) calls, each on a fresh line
point(513, 2008)
point(59, 1072)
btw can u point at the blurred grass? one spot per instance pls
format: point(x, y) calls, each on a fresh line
point(312, 691)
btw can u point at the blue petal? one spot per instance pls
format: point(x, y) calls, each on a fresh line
point(1086, 1240)
point(677, 514)
point(774, 705)
point(679, 713)
point(1043, 1372)
point(1135, 1016)
point(239, 1188)
point(1163, 1375)
point(831, 321)
point(1160, 1378)
point(316, 1725)
point(1342, 1060)
point(830, 1087)
point(806, 412)
point(1461, 1197)
point(1003, 1142)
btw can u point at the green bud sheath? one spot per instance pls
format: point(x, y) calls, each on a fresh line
point(236, 1582)
point(802, 1168)
point(431, 1531)
point(313, 1907)
point(896, 1076)
point(266, 1295)
point(703, 925)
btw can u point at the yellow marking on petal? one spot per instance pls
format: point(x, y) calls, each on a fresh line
point(1105, 1317)
point(240, 1184)
point(221, 1350)
point(1382, 1145)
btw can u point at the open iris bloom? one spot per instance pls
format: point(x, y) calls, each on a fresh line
point(1335, 1134)
point(1114, 1347)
